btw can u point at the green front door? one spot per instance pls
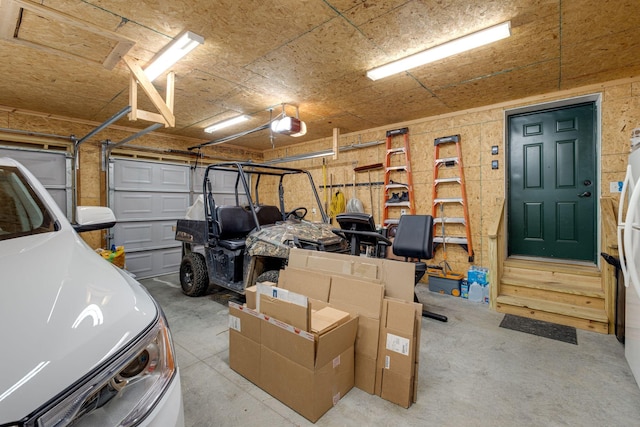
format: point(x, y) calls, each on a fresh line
point(552, 184)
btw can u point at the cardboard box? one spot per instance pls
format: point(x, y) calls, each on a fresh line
point(398, 277)
point(308, 373)
point(353, 289)
point(286, 311)
point(326, 319)
point(313, 284)
point(244, 342)
point(267, 288)
point(399, 351)
point(250, 296)
point(365, 372)
point(356, 296)
point(363, 298)
point(311, 393)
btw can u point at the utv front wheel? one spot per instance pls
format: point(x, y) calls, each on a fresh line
point(193, 275)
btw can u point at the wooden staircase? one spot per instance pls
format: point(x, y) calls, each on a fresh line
point(565, 294)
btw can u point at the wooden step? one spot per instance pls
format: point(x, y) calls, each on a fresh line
point(558, 292)
point(574, 299)
point(552, 277)
point(560, 267)
point(563, 314)
point(575, 285)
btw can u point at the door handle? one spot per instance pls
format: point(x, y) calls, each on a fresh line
point(585, 194)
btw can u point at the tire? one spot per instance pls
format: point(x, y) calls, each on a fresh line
point(194, 279)
point(269, 276)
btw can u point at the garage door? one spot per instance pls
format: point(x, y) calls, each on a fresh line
point(52, 168)
point(147, 199)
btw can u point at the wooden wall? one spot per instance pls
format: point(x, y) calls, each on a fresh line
point(91, 178)
point(480, 129)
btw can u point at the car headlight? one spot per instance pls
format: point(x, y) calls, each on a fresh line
point(126, 391)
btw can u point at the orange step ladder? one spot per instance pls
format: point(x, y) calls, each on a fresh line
point(452, 184)
point(397, 176)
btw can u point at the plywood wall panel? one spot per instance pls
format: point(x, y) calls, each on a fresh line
point(480, 129)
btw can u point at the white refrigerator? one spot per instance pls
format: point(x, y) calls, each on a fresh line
point(629, 251)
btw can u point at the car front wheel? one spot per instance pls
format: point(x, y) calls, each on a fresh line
point(193, 275)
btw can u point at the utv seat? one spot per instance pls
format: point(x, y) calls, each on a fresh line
point(268, 214)
point(235, 223)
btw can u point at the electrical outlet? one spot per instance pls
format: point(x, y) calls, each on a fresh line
point(313, 211)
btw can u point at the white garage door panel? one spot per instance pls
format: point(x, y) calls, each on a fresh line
point(153, 263)
point(149, 206)
point(50, 167)
point(147, 176)
point(146, 235)
point(147, 199)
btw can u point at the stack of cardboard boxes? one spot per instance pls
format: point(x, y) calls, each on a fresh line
point(333, 321)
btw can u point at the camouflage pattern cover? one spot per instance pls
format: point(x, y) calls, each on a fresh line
point(275, 240)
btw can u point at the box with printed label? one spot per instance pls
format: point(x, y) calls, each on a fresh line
point(357, 285)
point(310, 373)
point(244, 342)
point(399, 350)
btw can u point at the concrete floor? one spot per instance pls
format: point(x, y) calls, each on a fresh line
point(472, 373)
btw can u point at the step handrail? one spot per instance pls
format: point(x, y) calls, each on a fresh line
point(496, 234)
point(609, 215)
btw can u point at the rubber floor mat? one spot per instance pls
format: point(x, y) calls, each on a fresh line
point(540, 328)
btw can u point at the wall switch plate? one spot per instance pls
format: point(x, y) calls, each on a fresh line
point(615, 187)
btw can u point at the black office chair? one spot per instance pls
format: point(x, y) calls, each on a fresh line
point(414, 239)
point(359, 229)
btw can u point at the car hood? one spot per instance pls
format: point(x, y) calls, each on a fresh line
point(63, 311)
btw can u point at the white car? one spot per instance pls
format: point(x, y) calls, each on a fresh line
point(82, 343)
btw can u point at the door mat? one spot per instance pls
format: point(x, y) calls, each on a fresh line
point(540, 328)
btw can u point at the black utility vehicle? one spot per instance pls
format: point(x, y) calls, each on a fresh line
point(247, 241)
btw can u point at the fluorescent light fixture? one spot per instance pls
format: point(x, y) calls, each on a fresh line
point(453, 47)
point(172, 53)
point(226, 123)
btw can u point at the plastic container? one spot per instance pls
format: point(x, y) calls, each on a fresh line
point(475, 292)
point(485, 294)
point(464, 289)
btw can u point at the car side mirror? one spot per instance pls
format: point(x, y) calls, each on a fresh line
point(91, 218)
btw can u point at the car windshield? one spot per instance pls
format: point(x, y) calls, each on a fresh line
point(22, 213)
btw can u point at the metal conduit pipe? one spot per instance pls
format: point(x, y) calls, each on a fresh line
point(323, 153)
point(77, 143)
